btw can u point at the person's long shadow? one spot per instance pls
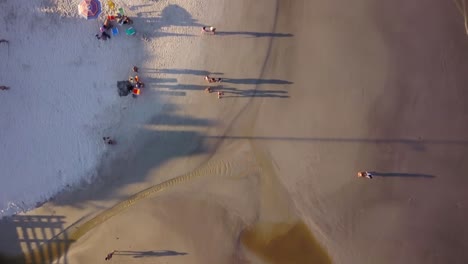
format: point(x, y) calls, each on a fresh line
point(254, 93)
point(255, 81)
point(400, 174)
point(254, 34)
point(188, 71)
point(150, 253)
point(188, 87)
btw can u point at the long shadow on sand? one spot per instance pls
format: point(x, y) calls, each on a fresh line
point(234, 92)
point(170, 136)
point(150, 253)
point(255, 81)
point(418, 145)
point(400, 174)
point(255, 93)
point(188, 87)
point(171, 15)
point(229, 91)
point(149, 80)
point(187, 71)
point(164, 137)
point(254, 34)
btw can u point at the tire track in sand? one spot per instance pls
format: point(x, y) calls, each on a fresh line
point(58, 245)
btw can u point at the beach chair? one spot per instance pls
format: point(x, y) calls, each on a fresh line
point(111, 5)
point(130, 31)
point(115, 31)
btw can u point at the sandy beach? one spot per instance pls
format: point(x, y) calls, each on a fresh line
point(314, 91)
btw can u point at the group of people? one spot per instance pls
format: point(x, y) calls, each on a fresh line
point(107, 25)
point(207, 77)
point(210, 90)
point(213, 80)
point(136, 83)
point(135, 89)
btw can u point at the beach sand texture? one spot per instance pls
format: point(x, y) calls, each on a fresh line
point(314, 92)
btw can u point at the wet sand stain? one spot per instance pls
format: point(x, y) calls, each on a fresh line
point(284, 243)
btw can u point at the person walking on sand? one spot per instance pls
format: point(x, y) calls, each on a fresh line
point(135, 69)
point(364, 174)
point(208, 90)
point(212, 80)
point(220, 94)
point(209, 30)
point(109, 256)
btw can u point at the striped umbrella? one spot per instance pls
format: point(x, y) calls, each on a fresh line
point(89, 9)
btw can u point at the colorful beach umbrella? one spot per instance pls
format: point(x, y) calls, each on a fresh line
point(89, 9)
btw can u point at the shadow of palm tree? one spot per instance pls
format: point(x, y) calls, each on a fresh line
point(254, 34)
point(150, 253)
point(400, 174)
point(171, 15)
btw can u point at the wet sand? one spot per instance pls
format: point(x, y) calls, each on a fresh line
point(338, 87)
point(378, 87)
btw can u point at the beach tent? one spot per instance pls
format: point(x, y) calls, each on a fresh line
point(89, 9)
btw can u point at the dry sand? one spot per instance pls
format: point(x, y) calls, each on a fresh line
point(339, 87)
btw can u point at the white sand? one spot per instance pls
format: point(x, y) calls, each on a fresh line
point(62, 100)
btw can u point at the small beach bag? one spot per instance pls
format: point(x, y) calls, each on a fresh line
point(121, 11)
point(130, 31)
point(115, 31)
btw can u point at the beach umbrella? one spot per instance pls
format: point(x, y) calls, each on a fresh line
point(89, 9)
